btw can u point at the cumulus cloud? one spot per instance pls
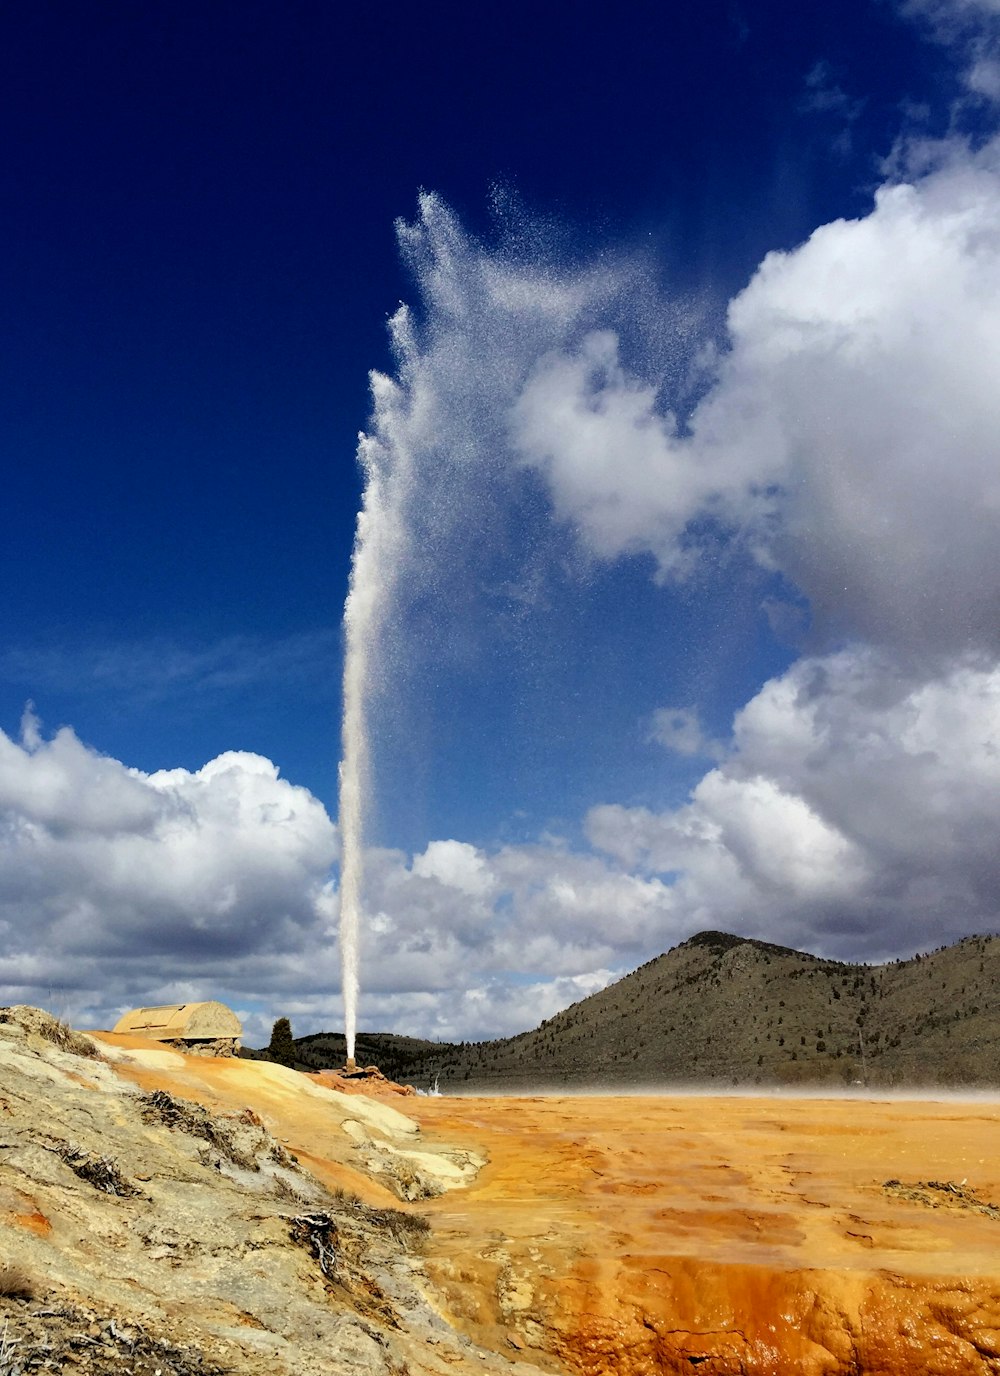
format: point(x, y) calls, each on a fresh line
point(855, 811)
point(472, 544)
point(119, 887)
point(533, 913)
point(850, 435)
point(492, 1007)
point(60, 787)
point(852, 813)
point(478, 1009)
point(846, 432)
point(617, 469)
point(846, 436)
point(456, 865)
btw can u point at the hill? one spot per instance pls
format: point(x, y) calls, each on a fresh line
point(731, 1010)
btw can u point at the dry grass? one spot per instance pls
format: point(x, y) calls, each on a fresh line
point(67, 1039)
point(15, 1283)
point(409, 1230)
point(54, 1030)
point(8, 1352)
point(242, 1140)
point(942, 1194)
point(100, 1171)
point(329, 1242)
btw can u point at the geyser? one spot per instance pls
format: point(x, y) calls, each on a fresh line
point(447, 499)
point(374, 567)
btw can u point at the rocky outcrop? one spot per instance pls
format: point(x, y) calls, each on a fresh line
point(362, 1134)
point(143, 1231)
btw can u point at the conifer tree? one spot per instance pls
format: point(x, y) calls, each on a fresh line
point(282, 1047)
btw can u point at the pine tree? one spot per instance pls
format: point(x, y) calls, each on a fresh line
point(282, 1047)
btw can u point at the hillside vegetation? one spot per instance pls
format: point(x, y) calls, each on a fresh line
point(729, 1010)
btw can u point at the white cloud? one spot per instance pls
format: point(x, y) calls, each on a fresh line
point(577, 417)
point(62, 787)
point(951, 11)
point(547, 912)
point(679, 729)
point(456, 865)
point(972, 29)
point(983, 76)
point(855, 812)
point(465, 514)
point(848, 437)
point(487, 1007)
point(778, 837)
point(119, 886)
point(851, 434)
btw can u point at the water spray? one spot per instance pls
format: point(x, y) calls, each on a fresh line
point(378, 545)
point(446, 498)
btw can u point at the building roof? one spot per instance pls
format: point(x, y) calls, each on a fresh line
point(205, 1021)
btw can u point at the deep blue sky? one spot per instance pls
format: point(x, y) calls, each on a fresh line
point(583, 757)
point(198, 261)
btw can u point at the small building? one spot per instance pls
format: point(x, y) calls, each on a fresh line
point(208, 1029)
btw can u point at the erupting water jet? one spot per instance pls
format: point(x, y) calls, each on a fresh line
point(378, 544)
point(448, 499)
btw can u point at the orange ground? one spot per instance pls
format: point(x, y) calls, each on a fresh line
point(642, 1233)
point(742, 1235)
point(231, 1084)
